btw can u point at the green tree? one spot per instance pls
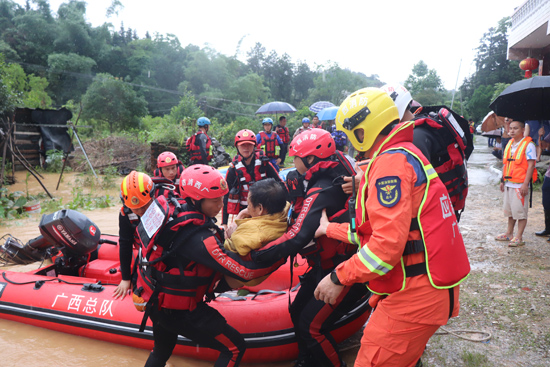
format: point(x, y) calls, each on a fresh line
point(425, 85)
point(69, 75)
point(73, 33)
point(32, 34)
point(478, 104)
point(187, 108)
point(114, 102)
point(249, 88)
point(256, 58)
point(302, 81)
point(30, 88)
point(334, 84)
point(492, 68)
point(8, 98)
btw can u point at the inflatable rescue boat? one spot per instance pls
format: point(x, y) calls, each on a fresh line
point(74, 295)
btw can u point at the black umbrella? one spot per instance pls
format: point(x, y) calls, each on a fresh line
point(527, 99)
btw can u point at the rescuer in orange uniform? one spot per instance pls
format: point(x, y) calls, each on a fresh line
point(411, 250)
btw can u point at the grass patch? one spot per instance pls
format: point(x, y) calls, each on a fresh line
point(473, 359)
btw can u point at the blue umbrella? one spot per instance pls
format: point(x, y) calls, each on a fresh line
point(328, 113)
point(275, 107)
point(318, 106)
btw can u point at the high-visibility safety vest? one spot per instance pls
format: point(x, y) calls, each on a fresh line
point(156, 281)
point(195, 150)
point(238, 195)
point(271, 146)
point(515, 167)
point(446, 260)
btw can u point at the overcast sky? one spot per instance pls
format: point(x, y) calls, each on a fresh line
point(373, 37)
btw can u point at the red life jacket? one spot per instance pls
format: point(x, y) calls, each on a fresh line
point(270, 144)
point(449, 163)
point(238, 195)
point(447, 263)
point(174, 289)
point(283, 133)
point(195, 150)
point(157, 174)
point(327, 252)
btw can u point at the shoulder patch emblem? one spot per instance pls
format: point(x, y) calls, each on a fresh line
point(388, 190)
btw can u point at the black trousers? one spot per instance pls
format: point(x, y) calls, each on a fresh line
point(313, 319)
point(204, 325)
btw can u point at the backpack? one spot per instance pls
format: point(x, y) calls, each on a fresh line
point(455, 144)
point(338, 136)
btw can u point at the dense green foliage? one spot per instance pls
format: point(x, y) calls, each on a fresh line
point(124, 82)
point(155, 87)
point(493, 72)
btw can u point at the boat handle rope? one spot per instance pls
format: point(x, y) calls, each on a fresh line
point(268, 291)
point(47, 280)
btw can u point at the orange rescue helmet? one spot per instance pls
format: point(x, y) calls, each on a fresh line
point(136, 190)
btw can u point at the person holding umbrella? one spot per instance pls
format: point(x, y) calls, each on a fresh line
point(284, 134)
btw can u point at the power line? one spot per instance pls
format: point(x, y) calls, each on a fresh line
point(234, 113)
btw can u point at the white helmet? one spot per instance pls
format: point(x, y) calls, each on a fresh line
point(400, 95)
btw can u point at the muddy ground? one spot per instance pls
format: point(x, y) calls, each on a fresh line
point(508, 291)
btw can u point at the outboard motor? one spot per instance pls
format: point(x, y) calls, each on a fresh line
point(67, 231)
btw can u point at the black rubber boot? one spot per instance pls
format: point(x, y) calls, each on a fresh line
point(546, 231)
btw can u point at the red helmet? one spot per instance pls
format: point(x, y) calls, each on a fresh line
point(245, 136)
point(136, 190)
point(166, 159)
point(315, 142)
point(202, 182)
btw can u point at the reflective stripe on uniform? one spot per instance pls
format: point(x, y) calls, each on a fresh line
point(353, 238)
point(430, 171)
point(373, 262)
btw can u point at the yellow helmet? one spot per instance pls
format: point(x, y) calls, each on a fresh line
point(370, 109)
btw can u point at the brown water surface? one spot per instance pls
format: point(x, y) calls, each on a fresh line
point(30, 346)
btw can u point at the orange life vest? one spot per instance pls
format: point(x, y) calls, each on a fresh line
point(515, 167)
point(447, 263)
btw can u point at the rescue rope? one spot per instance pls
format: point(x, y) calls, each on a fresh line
point(457, 333)
point(50, 280)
